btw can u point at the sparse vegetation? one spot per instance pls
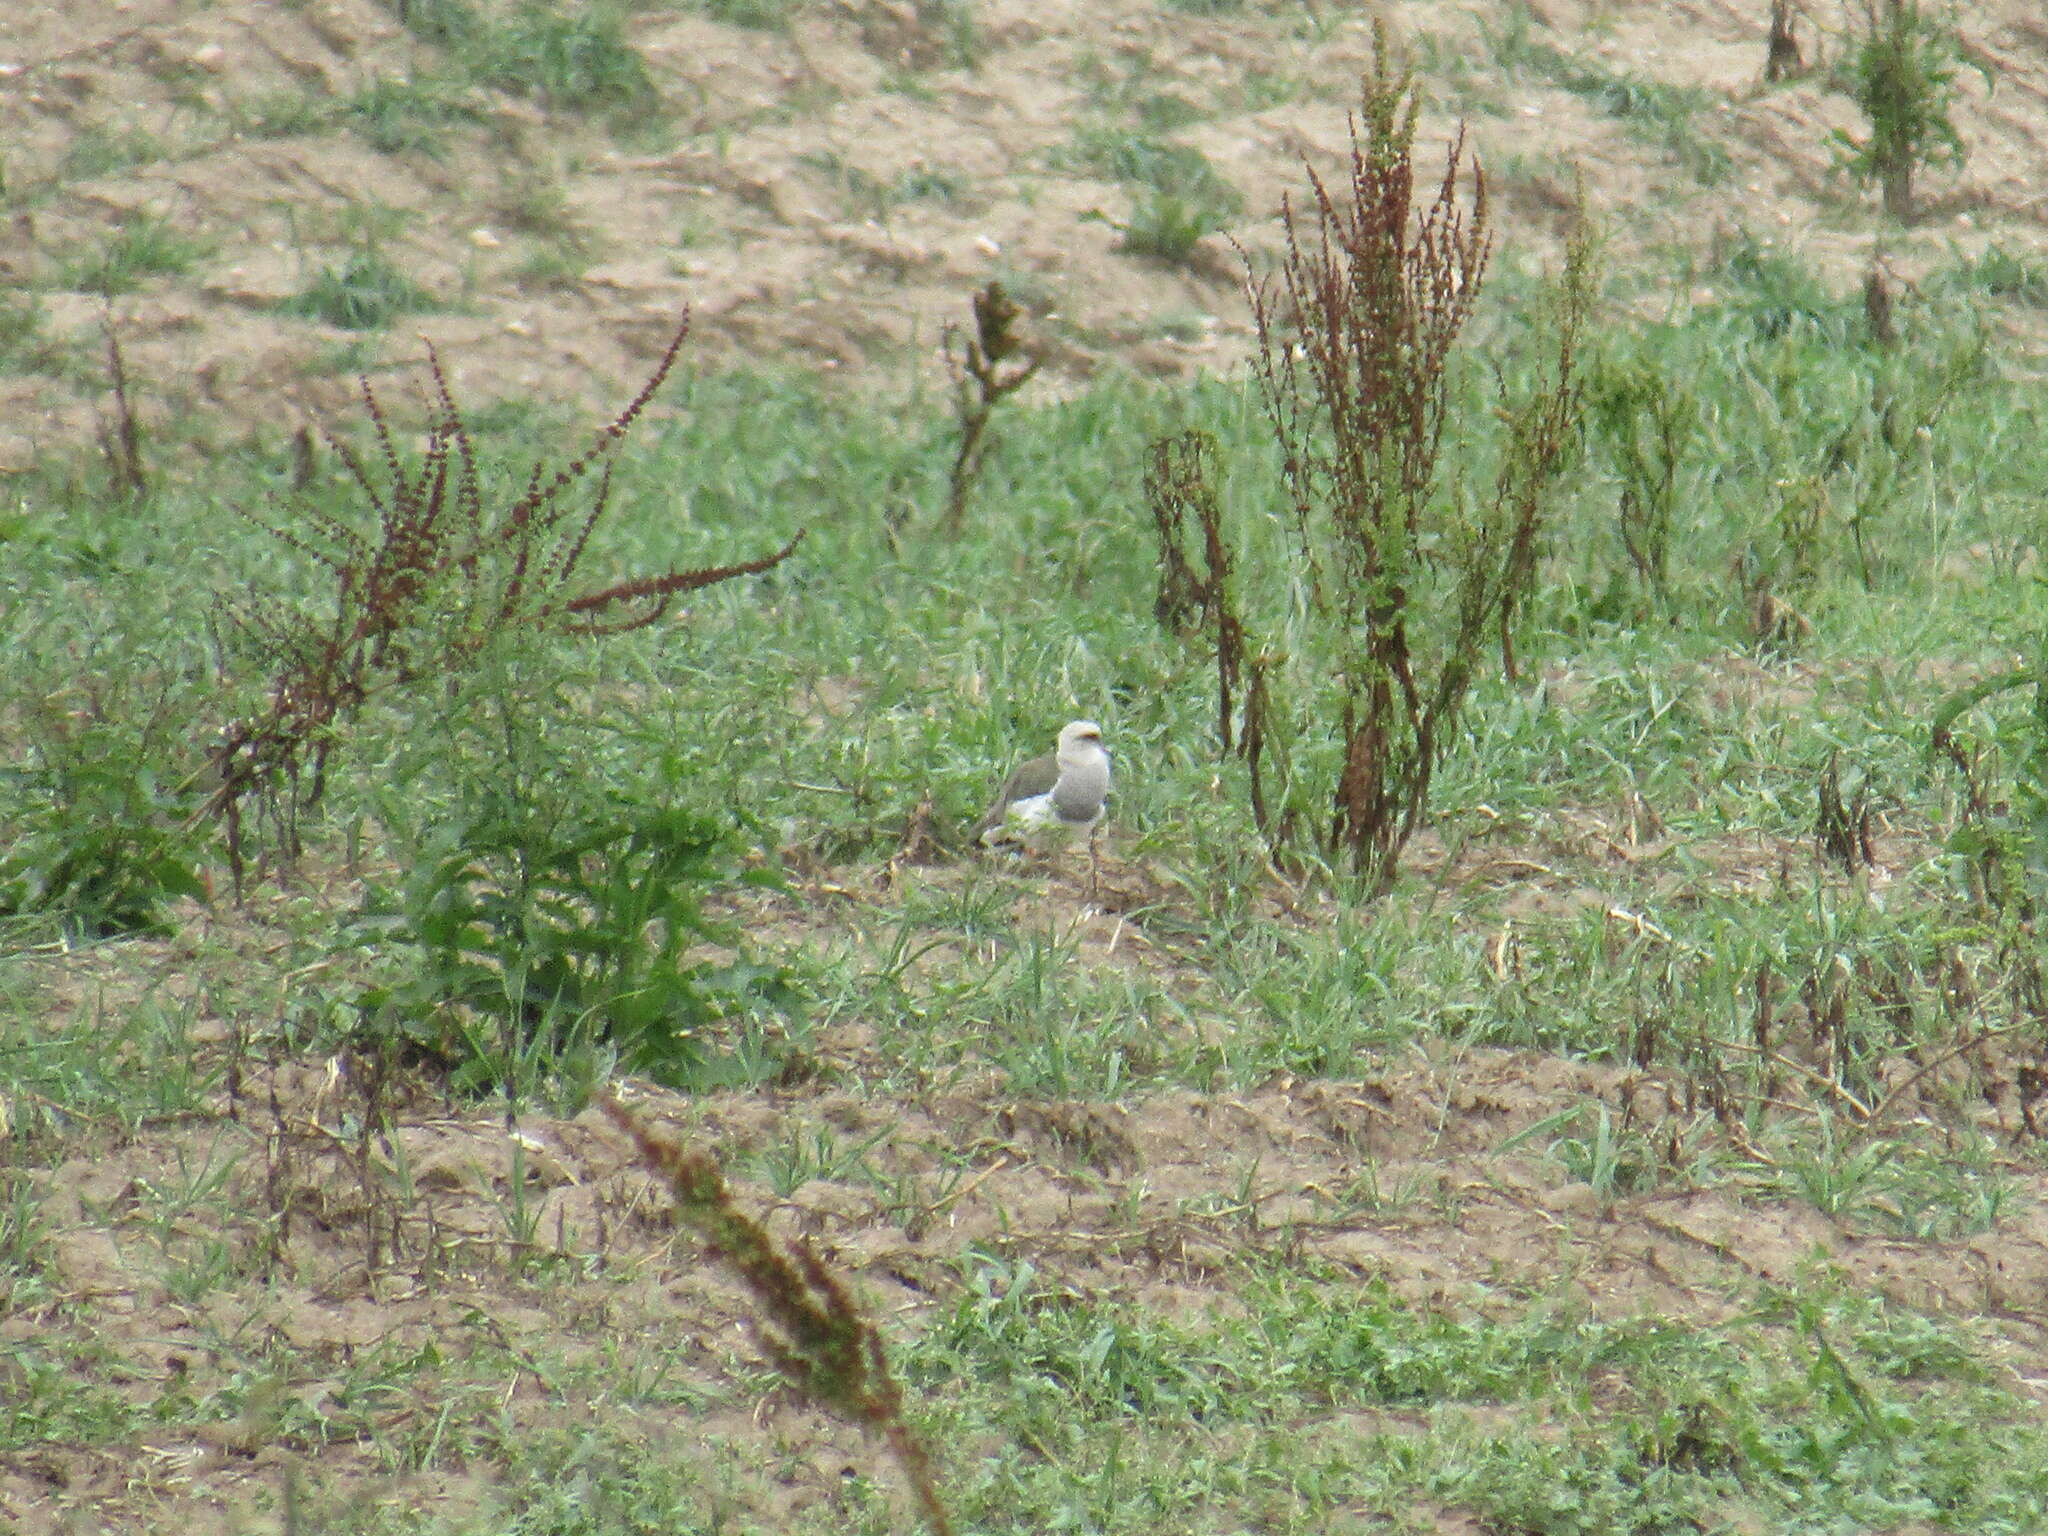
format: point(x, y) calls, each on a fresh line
point(2001, 274)
point(280, 114)
point(988, 367)
point(1171, 170)
point(1648, 421)
point(760, 15)
point(409, 116)
point(1187, 511)
point(144, 248)
point(22, 319)
point(104, 150)
point(1167, 227)
point(563, 241)
point(874, 197)
point(546, 945)
point(99, 845)
point(1664, 112)
point(1998, 754)
point(950, 33)
point(443, 580)
point(575, 60)
point(1788, 1032)
point(815, 1334)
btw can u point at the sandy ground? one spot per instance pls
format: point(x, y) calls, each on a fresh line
point(829, 196)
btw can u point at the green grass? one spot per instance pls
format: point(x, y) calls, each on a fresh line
point(564, 243)
point(577, 60)
point(414, 115)
point(1317, 1398)
point(537, 204)
point(134, 1066)
point(2002, 275)
point(1659, 111)
point(281, 114)
point(757, 15)
point(1167, 227)
point(365, 293)
point(353, 356)
point(875, 197)
point(1628, 987)
point(1179, 197)
point(98, 151)
point(22, 318)
point(1118, 154)
point(145, 247)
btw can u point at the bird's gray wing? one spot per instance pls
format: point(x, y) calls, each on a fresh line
point(1036, 777)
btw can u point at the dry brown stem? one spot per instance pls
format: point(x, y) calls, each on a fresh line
point(1179, 485)
point(810, 1326)
point(981, 382)
point(422, 595)
point(121, 439)
point(1782, 59)
point(1355, 342)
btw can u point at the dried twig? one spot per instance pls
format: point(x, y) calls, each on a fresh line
point(811, 1327)
point(981, 382)
point(121, 440)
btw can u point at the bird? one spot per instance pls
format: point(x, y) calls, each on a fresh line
point(1050, 799)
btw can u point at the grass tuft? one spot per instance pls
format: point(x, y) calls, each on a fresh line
point(145, 247)
point(365, 293)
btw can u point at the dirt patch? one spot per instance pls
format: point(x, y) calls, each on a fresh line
point(830, 194)
point(453, 1233)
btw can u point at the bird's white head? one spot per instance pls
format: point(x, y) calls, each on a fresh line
point(1081, 742)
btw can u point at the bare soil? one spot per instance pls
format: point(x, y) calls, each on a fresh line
point(1398, 1177)
point(756, 199)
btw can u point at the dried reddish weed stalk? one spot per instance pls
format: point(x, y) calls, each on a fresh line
point(1354, 355)
point(981, 382)
point(1356, 335)
point(811, 1327)
point(422, 594)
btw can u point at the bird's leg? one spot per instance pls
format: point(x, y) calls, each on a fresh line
point(1094, 864)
